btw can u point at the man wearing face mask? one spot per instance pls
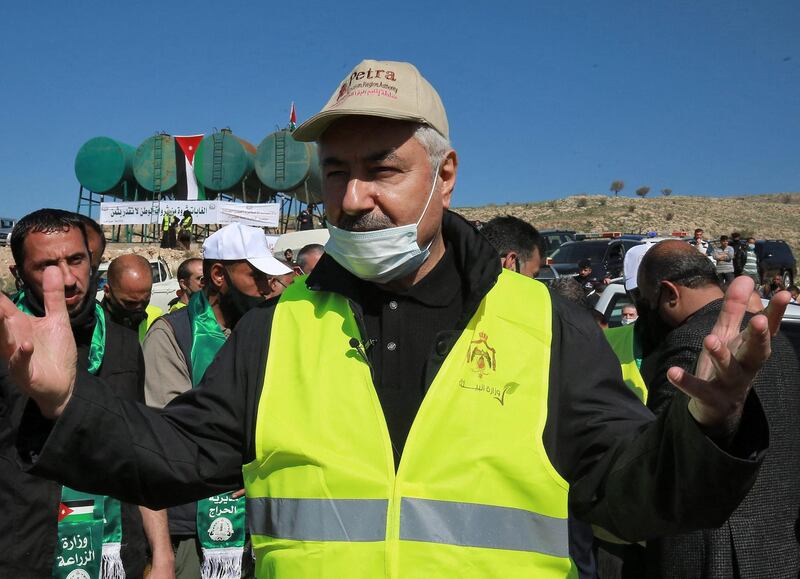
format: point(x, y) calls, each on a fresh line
point(680, 293)
point(40, 515)
point(238, 273)
point(518, 243)
point(128, 292)
point(750, 267)
point(446, 418)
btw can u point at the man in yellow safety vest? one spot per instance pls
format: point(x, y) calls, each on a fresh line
point(409, 409)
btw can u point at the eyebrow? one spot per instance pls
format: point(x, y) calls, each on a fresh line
point(47, 262)
point(384, 155)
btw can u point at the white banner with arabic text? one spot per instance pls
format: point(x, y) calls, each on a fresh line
point(203, 212)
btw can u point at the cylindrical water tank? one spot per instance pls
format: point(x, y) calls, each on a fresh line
point(289, 166)
point(102, 165)
point(222, 161)
point(154, 163)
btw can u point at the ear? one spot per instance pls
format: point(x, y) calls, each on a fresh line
point(672, 292)
point(447, 177)
point(510, 260)
point(218, 277)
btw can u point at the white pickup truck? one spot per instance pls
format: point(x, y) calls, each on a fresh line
point(165, 285)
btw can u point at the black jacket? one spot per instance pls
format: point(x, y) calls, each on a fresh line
point(637, 476)
point(29, 503)
point(760, 539)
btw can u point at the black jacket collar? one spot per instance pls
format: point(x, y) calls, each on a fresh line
point(475, 259)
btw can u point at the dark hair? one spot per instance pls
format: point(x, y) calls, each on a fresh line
point(508, 233)
point(305, 251)
point(44, 221)
point(585, 263)
point(183, 268)
point(736, 234)
point(689, 269)
point(569, 289)
point(723, 238)
point(89, 223)
point(699, 229)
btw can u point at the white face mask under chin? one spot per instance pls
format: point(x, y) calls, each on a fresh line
point(383, 255)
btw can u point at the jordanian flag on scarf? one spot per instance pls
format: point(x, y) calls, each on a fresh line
point(76, 511)
point(292, 119)
point(187, 187)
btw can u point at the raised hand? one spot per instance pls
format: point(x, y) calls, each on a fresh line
point(40, 352)
point(730, 360)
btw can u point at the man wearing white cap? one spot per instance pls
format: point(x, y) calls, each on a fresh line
point(448, 415)
point(237, 268)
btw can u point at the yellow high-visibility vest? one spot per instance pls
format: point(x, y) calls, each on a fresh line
point(622, 342)
point(153, 313)
point(475, 494)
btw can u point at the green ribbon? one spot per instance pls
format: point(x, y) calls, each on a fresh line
point(221, 518)
point(89, 526)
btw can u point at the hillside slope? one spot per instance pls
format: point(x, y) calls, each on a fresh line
point(775, 216)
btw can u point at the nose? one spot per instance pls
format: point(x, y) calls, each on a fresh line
point(359, 198)
point(69, 278)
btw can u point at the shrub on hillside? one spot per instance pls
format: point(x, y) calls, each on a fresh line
point(582, 202)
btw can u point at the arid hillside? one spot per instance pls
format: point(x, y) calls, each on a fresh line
point(774, 216)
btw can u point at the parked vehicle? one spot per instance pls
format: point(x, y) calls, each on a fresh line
point(775, 258)
point(548, 273)
point(605, 255)
point(554, 238)
point(165, 285)
point(6, 225)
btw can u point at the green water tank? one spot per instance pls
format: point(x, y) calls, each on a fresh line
point(102, 165)
point(222, 161)
point(154, 164)
point(289, 166)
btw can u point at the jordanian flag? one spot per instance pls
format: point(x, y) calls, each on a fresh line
point(187, 187)
point(292, 119)
point(77, 511)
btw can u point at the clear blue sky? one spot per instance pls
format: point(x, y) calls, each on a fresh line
point(545, 99)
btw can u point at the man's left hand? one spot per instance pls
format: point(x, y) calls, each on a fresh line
point(730, 360)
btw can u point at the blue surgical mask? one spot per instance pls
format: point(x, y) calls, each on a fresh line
point(383, 255)
point(751, 246)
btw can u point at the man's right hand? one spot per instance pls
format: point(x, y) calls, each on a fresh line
point(40, 352)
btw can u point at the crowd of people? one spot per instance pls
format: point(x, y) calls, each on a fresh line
point(405, 401)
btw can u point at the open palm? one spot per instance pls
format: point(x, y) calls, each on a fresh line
point(731, 358)
point(41, 352)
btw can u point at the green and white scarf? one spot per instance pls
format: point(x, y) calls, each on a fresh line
point(220, 519)
point(89, 526)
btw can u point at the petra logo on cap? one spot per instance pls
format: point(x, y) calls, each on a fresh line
point(369, 83)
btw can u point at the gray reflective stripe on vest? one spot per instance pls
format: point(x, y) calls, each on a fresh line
point(452, 523)
point(318, 519)
point(473, 525)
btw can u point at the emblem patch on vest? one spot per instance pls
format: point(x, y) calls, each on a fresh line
point(482, 360)
point(481, 357)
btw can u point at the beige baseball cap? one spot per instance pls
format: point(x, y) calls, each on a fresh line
point(380, 88)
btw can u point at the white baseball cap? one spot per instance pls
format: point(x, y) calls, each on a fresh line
point(633, 258)
point(235, 242)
